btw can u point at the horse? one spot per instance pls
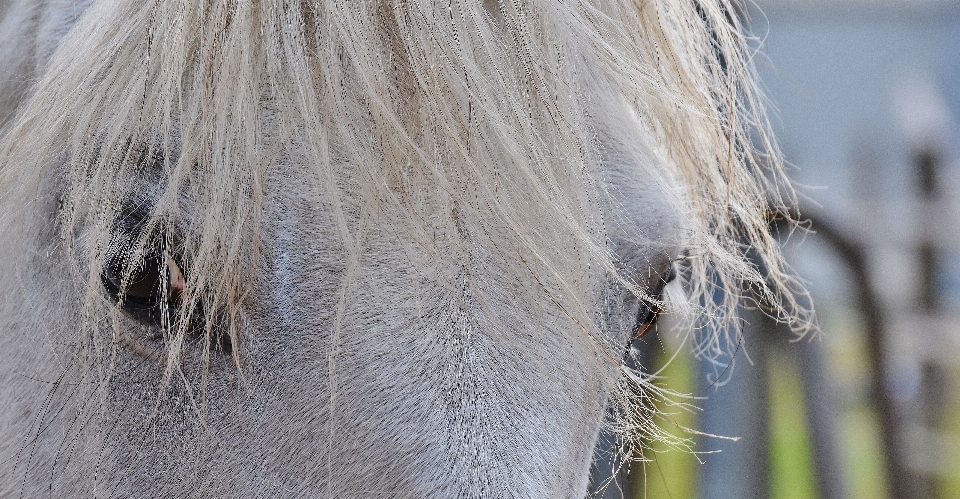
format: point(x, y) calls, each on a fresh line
point(377, 248)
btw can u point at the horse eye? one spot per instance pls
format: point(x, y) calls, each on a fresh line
point(646, 319)
point(142, 283)
point(147, 279)
point(649, 312)
point(140, 279)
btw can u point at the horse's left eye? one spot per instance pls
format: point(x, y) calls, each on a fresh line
point(646, 319)
point(649, 312)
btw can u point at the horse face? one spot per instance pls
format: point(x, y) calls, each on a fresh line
point(438, 329)
point(441, 380)
point(355, 371)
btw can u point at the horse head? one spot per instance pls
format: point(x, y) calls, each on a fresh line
point(355, 249)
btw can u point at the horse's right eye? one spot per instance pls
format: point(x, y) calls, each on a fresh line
point(147, 282)
point(137, 282)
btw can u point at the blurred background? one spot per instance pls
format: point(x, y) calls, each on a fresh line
point(865, 99)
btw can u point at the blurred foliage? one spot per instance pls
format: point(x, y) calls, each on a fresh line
point(791, 457)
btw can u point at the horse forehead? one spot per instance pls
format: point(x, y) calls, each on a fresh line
point(638, 217)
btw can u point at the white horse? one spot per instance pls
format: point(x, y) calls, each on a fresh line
point(370, 248)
